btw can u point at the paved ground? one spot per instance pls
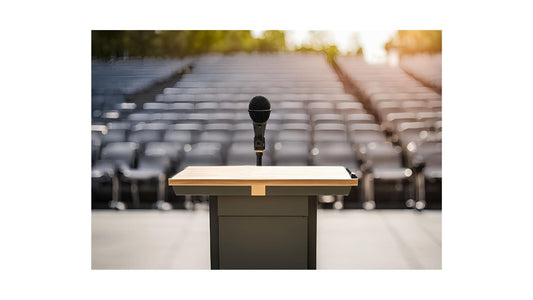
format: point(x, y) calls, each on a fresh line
point(346, 239)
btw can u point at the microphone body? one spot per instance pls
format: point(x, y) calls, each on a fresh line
point(259, 110)
point(259, 139)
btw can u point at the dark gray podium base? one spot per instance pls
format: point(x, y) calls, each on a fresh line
point(269, 232)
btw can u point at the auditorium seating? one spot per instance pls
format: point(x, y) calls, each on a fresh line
point(203, 120)
point(407, 110)
point(425, 67)
point(112, 80)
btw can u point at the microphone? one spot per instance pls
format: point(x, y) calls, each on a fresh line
point(259, 110)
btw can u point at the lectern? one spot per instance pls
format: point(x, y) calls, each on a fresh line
point(263, 217)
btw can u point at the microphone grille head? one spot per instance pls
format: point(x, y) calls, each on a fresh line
point(259, 103)
point(259, 109)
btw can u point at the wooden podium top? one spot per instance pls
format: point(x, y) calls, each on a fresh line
point(260, 177)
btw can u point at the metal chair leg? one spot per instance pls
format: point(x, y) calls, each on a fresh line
point(161, 202)
point(115, 194)
point(421, 195)
point(369, 202)
point(412, 192)
point(135, 193)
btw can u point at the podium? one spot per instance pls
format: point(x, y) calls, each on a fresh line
point(262, 217)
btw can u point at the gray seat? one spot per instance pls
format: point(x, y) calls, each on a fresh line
point(140, 117)
point(381, 161)
point(294, 118)
point(327, 118)
point(203, 154)
point(149, 168)
point(242, 153)
point(347, 108)
point(122, 153)
point(393, 120)
point(114, 157)
point(409, 132)
point(360, 134)
point(217, 134)
point(294, 136)
point(320, 107)
point(123, 125)
point(145, 136)
point(362, 118)
point(334, 154)
point(330, 133)
point(290, 153)
point(114, 136)
point(172, 150)
point(178, 136)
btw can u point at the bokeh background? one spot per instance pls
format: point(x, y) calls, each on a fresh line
point(369, 100)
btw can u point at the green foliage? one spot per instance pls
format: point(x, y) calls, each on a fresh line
point(179, 43)
point(273, 40)
point(320, 41)
point(416, 41)
point(331, 52)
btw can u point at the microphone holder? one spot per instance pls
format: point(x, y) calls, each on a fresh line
point(259, 156)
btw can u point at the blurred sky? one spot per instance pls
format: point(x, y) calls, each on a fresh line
point(371, 41)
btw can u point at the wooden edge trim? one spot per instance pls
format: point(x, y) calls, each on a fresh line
point(248, 182)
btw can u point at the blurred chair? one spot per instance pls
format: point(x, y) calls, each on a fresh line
point(330, 132)
point(290, 118)
point(172, 150)
point(360, 134)
point(393, 120)
point(327, 118)
point(291, 153)
point(289, 107)
point(149, 168)
point(114, 136)
point(144, 136)
point(242, 153)
point(382, 163)
point(338, 153)
point(140, 117)
point(410, 132)
point(295, 132)
point(114, 157)
point(320, 107)
point(217, 133)
point(426, 160)
point(362, 118)
point(201, 154)
point(347, 108)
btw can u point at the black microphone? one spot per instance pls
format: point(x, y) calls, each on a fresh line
point(259, 109)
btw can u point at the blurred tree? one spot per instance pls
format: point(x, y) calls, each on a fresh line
point(273, 40)
point(416, 41)
point(107, 43)
point(179, 43)
point(171, 43)
point(140, 42)
point(320, 41)
point(331, 51)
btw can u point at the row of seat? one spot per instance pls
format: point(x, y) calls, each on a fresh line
point(425, 67)
point(111, 80)
point(410, 114)
point(203, 120)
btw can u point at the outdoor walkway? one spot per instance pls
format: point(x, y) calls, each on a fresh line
point(346, 239)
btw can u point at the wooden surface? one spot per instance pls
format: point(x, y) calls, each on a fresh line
point(260, 177)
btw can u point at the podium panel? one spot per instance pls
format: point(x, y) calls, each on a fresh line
point(263, 242)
